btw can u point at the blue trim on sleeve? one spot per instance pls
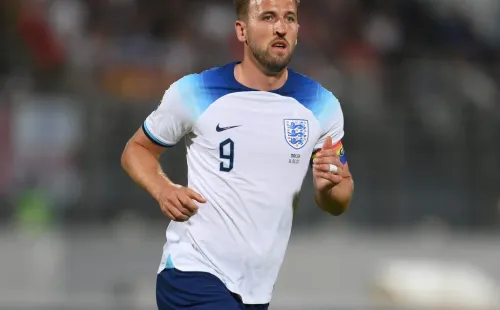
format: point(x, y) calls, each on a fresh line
point(153, 138)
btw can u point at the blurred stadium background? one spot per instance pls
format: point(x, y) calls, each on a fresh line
point(419, 84)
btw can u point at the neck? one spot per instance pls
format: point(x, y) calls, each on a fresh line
point(253, 76)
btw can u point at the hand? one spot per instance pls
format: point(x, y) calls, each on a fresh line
point(324, 179)
point(177, 202)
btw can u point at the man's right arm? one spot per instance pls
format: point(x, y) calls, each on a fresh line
point(141, 161)
point(141, 158)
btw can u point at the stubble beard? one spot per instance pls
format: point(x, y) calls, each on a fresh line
point(272, 64)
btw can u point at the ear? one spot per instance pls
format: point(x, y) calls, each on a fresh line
point(239, 27)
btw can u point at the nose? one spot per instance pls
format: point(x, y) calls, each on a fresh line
point(280, 28)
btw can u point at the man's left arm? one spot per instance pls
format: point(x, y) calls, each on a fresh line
point(333, 182)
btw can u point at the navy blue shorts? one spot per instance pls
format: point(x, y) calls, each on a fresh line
point(178, 290)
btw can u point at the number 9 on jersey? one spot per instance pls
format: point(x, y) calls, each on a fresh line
point(226, 154)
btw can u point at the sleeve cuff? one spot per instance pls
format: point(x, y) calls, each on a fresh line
point(153, 139)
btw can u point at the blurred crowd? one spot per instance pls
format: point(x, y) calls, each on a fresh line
point(418, 81)
point(171, 38)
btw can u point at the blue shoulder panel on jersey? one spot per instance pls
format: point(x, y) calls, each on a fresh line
point(201, 90)
point(321, 102)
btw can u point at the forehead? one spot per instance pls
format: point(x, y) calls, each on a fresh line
point(257, 6)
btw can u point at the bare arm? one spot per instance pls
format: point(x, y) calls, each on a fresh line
point(140, 160)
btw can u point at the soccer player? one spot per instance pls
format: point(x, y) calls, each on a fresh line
point(251, 128)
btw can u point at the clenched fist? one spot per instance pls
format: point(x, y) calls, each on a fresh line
point(327, 168)
point(178, 202)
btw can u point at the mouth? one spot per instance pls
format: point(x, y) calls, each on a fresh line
point(280, 45)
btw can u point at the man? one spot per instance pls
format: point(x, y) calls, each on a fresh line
point(250, 128)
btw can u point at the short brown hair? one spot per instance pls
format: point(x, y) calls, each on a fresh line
point(241, 7)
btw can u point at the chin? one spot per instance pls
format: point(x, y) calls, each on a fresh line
point(281, 64)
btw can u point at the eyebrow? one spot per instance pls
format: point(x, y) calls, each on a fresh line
point(274, 13)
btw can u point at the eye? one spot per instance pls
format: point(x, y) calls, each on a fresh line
point(268, 17)
point(290, 19)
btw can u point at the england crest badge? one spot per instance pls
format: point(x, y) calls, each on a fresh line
point(296, 132)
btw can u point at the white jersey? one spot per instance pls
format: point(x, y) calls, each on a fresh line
point(248, 152)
